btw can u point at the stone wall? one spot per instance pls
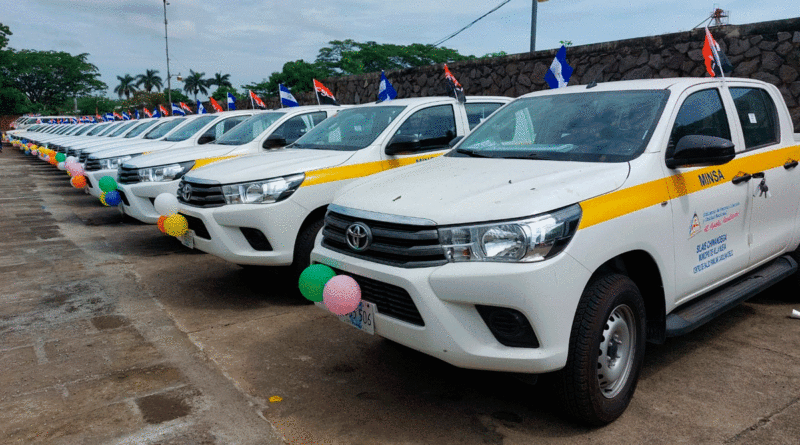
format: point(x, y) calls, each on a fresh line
point(768, 51)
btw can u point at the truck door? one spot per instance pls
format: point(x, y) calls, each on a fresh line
point(426, 132)
point(774, 180)
point(710, 213)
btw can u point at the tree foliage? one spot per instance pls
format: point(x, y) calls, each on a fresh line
point(349, 57)
point(126, 87)
point(48, 78)
point(5, 31)
point(221, 94)
point(195, 84)
point(149, 80)
point(296, 75)
point(220, 80)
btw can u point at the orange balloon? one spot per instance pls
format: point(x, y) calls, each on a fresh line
point(160, 223)
point(78, 182)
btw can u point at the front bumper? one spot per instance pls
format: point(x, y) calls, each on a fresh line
point(547, 293)
point(93, 180)
point(139, 197)
point(279, 222)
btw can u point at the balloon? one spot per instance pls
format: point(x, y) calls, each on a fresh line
point(166, 204)
point(61, 166)
point(53, 160)
point(341, 295)
point(78, 170)
point(103, 199)
point(113, 198)
point(78, 181)
point(61, 157)
point(34, 152)
point(71, 159)
point(107, 184)
point(160, 223)
point(176, 225)
point(313, 279)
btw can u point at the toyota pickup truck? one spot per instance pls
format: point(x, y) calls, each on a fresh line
point(573, 226)
point(143, 178)
point(267, 209)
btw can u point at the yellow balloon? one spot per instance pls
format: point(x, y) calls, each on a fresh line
point(176, 225)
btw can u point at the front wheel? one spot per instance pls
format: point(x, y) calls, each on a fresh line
point(606, 349)
point(302, 249)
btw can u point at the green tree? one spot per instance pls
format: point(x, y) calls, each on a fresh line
point(48, 78)
point(296, 75)
point(93, 104)
point(177, 96)
point(195, 84)
point(126, 87)
point(5, 31)
point(350, 57)
point(149, 80)
point(222, 93)
point(220, 80)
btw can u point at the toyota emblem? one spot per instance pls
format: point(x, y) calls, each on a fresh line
point(186, 192)
point(359, 237)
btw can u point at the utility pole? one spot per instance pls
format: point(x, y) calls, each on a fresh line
point(533, 23)
point(166, 40)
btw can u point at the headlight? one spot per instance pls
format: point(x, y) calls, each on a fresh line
point(113, 163)
point(161, 173)
point(263, 192)
point(525, 241)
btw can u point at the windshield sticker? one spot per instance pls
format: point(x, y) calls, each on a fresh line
point(695, 229)
point(711, 252)
point(723, 215)
point(752, 117)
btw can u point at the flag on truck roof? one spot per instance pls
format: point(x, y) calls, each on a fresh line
point(458, 90)
point(200, 108)
point(324, 95)
point(559, 73)
point(386, 91)
point(156, 113)
point(138, 116)
point(215, 105)
point(177, 111)
point(163, 110)
point(185, 107)
point(714, 57)
point(147, 112)
point(117, 116)
point(109, 117)
point(126, 116)
point(287, 98)
point(231, 102)
point(257, 100)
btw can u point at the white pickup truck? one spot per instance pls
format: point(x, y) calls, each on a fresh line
point(575, 225)
point(267, 209)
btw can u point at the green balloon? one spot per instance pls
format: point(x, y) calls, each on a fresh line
point(313, 280)
point(107, 184)
point(61, 157)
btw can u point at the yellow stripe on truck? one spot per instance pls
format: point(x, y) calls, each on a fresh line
point(622, 202)
point(326, 175)
point(201, 162)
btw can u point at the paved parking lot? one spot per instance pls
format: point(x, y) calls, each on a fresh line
point(111, 332)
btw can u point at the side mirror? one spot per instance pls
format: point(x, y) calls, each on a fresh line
point(402, 142)
point(698, 150)
point(274, 141)
point(205, 139)
point(455, 141)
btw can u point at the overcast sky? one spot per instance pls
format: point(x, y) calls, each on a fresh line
point(250, 39)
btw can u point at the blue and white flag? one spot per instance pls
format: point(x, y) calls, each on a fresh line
point(156, 113)
point(137, 114)
point(109, 117)
point(231, 102)
point(177, 111)
point(200, 108)
point(559, 73)
point(125, 116)
point(386, 91)
point(287, 99)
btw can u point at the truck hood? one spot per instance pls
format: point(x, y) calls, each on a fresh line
point(130, 149)
point(270, 165)
point(182, 155)
point(110, 146)
point(469, 190)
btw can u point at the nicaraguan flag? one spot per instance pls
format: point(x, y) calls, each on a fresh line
point(177, 111)
point(231, 102)
point(109, 117)
point(287, 99)
point(125, 116)
point(156, 113)
point(386, 91)
point(559, 73)
point(200, 108)
point(137, 114)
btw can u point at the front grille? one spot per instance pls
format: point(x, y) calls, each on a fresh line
point(92, 165)
point(128, 175)
point(84, 156)
point(197, 225)
point(203, 195)
point(72, 152)
point(392, 301)
point(401, 245)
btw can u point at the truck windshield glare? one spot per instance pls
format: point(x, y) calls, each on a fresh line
point(350, 130)
point(612, 126)
point(249, 129)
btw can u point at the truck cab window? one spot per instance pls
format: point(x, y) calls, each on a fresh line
point(757, 115)
point(702, 113)
point(476, 113)
point(435, 126)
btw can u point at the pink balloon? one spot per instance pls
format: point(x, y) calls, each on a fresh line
point(341, 295)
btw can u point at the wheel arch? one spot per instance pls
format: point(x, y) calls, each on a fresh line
point(315, 215)
point(643, 270)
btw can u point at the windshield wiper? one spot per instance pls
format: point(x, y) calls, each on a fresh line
point(471, 153)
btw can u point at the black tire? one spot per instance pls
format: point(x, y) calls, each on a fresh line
point(610, 321)
point(303, 247)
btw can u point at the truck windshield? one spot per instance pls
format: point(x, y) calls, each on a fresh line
point(249, 129)
point(188, 130)
point(98, 129)
point(140, 129)
point(612, 126)
point(121, 130)
point(350, 130)
point(164, 128)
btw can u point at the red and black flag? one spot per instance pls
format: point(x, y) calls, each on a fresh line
point(324, 95)
point(715, 58)
point(458, 90)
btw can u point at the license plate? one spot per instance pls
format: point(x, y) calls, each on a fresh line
point(188, 239)
point(363, 318)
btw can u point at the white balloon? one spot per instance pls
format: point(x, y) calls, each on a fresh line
point(166, 204)
point(70, 159)
point(61, 166)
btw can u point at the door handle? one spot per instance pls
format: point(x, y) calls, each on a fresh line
point(790, 164)
point(738, 179)
point(759, 175)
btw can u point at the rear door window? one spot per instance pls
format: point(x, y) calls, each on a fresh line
point(477, 112)
point(757, 115)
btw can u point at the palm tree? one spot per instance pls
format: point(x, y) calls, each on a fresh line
point(195, 84)
point(220, 80)
point(150, 79)
point(126, 86)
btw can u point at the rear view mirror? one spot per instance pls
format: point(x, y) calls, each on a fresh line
point(699, 150)
point(455, 141)
point(402, 142)
point(205, 139)
point(274, 141)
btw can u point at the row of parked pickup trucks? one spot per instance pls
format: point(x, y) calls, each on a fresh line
point(559, 236)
